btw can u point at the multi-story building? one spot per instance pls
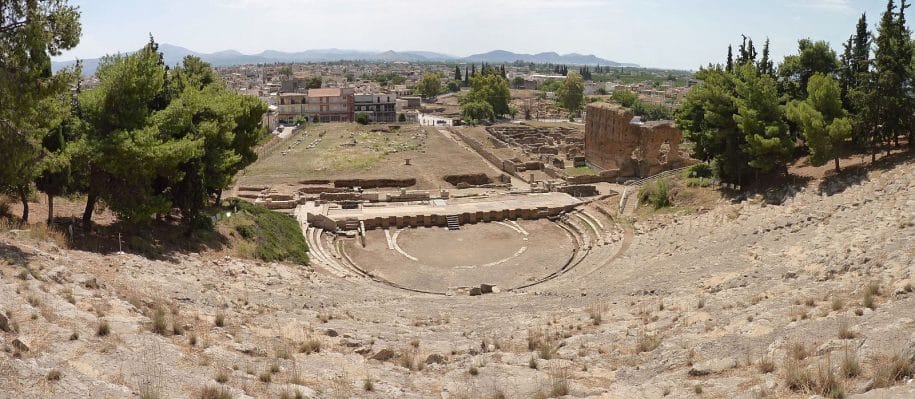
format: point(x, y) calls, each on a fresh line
point(378, 107)
point(290, 106)
point(336, 104)
point(332, 104)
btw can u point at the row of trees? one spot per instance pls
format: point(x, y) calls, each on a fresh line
point(147, 140)
point(648, 111)
point(748, 116)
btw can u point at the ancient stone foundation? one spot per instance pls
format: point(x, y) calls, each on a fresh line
point(614, 142)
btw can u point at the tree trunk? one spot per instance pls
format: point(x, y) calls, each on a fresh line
point(218, 198)
point(24, 197)
point(50, 209)
point(87, 214)
point(874, 152)
point(837, 165)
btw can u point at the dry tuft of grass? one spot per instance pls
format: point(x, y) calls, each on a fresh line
point(325, 316)
point(103, 328)
point(542, 342)
point(410, 359)
point(828, 383)
point(287, 394)
point(221, 377)
point(368, 384)
point(559, 383)
point(211, 392)
point(312, 344)
point(889, 368)
point(53, 375)
point(845, 332)
point(850, 367)
point(220, 319)
point(765, 365)
point(797, 351)
point(596, 313)
point(646, 342)
point(837, 304)
point(798, 313)
point(797, 377)
point(159, 321)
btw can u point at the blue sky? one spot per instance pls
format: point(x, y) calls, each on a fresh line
point(658, 33)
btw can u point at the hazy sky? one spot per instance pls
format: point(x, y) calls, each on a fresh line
point(658, 33)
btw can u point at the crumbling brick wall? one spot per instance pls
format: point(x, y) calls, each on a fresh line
point(612, 142)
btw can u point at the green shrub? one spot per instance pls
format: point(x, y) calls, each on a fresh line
point(276, 237)
point(245, 231)
point(656, 194)
point(362, 118)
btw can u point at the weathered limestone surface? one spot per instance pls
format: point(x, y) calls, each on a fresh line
point(612, 142)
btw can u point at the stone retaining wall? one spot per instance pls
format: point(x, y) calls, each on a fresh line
point(465, 218)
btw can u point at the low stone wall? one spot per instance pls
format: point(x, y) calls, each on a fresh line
point(375, 183)
point(579, 190)
point(607, 176)
point(323, 189)
point(252, 188)
point(409, 196)
point(278, 204)
point(465, 218)
point(479, 148)
point(475, 179)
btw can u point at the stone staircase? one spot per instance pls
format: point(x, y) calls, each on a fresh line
point(453, 222)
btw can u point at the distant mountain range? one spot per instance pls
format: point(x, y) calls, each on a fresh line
point(174, 54)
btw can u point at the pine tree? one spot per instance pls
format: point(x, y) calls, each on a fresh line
point(760, 118)
point(31, 32)
point(822, 119)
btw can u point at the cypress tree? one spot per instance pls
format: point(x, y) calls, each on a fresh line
point(892, 75)
point(765, 65)
point(730, 65)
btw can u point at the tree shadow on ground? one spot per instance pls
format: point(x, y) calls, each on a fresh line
point(835, 183)
point(12, 254)
point(773, 188)
point(159, 240)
